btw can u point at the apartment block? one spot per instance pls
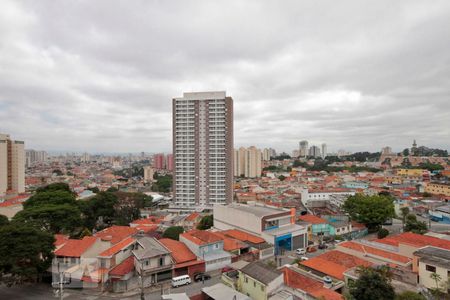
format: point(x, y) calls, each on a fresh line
point(247, 162)
point(203, 149)
point(12, 165)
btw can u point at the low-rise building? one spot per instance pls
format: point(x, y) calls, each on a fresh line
point(152, 261)
point(185, 261)
point(208, 247)
point(258, 280)
point(438, 188)
point(429, 261)
point(275, 225)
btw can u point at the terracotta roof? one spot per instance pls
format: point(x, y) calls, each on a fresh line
point(312, 219)
point(201, 237)
point(230, 244)
point(334, 263)
point(192, 217)
point(416, 240)
point(147, 228)
point(375, 251)
point(179, 251)
point(314, 287)
point(118, 247)
point(150, 221)
point(76, 248)
point(117, 233)
point(243, 236)
point(60, 239)
point(123, 268)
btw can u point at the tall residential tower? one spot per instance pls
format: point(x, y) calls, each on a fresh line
point(12, 165)
point(203, 149)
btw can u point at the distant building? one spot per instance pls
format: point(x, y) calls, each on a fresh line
point(148, 173)
point(159, 161)
point(169, 162)
point(437, 188)
point(324, 150)
point(314, 151)
point(386, 150)
point(203, 149)
point(295, 153)
point(267, 154)
point(303, 148)
point(247, 162)
point(32, 156)
point(12, 165)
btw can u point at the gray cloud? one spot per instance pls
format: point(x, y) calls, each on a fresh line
point(100, 76)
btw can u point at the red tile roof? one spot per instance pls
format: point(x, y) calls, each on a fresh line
point(297, 280)
point(192, 217)
point(117, 233)
point(76, 248)
point(180, 252)
point(201, 237)
point(123, 268)
point(230, 244)
point(375, 251)
point(334, 263)
point(243, 236)
point(150, 221)
point(60, 239)
point(312, 219)
point(118, 247)
point(416, 240)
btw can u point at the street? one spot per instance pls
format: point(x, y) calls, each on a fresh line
point(44, 292)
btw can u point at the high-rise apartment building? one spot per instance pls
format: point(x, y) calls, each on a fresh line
point(314, 151)
point(239, 162)
point(32, 156)
point(203, 149)
point(324, 150)
point(303, 148)
point(248, 162)
point(266, 154)
point(148, 173)
point(169, 162)
point(159, 161)
point(12, 165)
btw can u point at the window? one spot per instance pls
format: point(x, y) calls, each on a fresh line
point(254, 283)
point(246, 280)
point(262, 288)
point(161, 261)
point(146, 262)
point(430, 268)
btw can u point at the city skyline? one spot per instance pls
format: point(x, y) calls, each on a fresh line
point(361, 81)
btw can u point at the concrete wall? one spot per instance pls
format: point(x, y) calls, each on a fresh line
point(425, 279)
point(237, 218)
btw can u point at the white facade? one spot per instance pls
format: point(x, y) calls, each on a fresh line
point(308, 197)
point(203, 149)
point(148, 173)
point(303, 148)
point(324, 150)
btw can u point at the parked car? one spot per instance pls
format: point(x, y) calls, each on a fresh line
point(201, 277)
point(303, 258)
point(323, 246)
point(300, 251)
point(180, 280)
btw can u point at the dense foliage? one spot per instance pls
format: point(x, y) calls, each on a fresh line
point(173, 232)
point(25, 253)
point(372, 284)
point(414, 225)
point(370, 210)
point(162, 184)
point(206, 222)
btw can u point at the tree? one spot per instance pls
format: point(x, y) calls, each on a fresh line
point(413, 225)
point(206, 222)
point(4, 220)
point(25, 252)
point(281, 177)
point(382, 233)
point(63, 218)
point(99, 211)
point(405, 152)
point(372, 284)
point(94, 189)
point(58, 186)
point(404, 211)
point(409, 295)
point(173, 232)
point(370, 210)
point(50, 197)
point(437, 278)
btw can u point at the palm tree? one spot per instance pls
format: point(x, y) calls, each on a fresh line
point(436, 277)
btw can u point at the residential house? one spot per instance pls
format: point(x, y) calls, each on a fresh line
point(152, 261)
point(208, 247)
point(258, 281)
point(185, 261)
point(429, 261)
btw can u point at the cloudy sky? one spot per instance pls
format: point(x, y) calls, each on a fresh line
point(99, 76)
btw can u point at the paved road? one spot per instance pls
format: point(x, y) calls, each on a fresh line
point(396, 227)
point(45, 292)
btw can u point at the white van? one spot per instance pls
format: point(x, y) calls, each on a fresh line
point(181, 280)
